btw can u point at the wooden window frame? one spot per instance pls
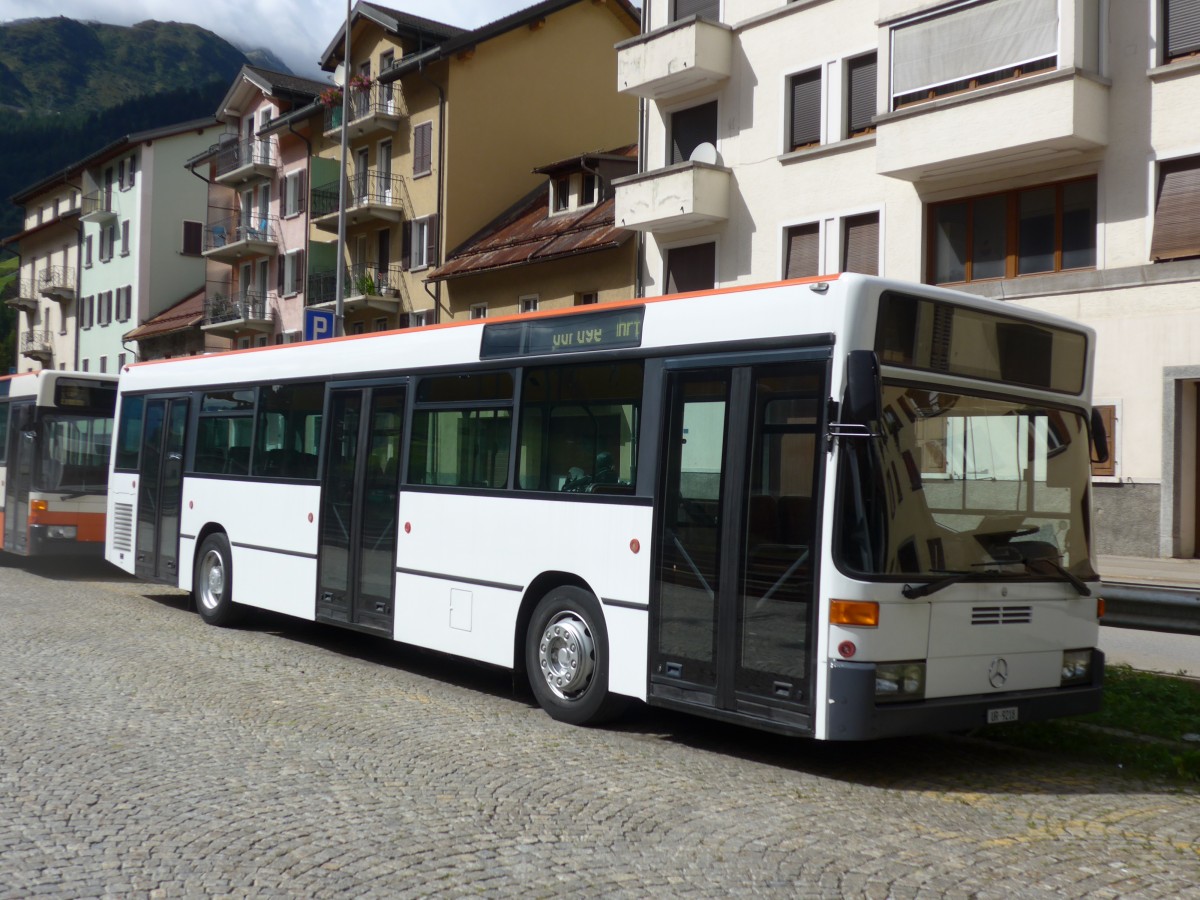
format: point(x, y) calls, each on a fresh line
point(1110, 414)
point(1011, 232)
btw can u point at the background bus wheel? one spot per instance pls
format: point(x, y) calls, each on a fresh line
point(212, 582)
point(566, 656)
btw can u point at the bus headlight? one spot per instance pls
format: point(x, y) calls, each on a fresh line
point(61, 532)
point(1076, 667)
point(899, 681)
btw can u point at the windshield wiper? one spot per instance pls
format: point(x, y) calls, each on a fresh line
point(932, 587)
point(1072, 579)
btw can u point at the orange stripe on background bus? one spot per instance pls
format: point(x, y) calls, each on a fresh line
point(90, 525)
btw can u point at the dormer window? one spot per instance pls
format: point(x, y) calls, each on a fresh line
point(561, 193)
point(590, 190)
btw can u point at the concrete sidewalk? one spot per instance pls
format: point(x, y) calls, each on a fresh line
point(1184, 573)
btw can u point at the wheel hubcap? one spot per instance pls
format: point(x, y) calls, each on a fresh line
point(212, 580)
point(567, 655)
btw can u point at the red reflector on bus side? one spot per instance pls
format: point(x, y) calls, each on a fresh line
point(863, 613)
point(1099, 607)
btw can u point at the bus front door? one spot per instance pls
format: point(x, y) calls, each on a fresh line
point(356, 558)
point(22, 458)
point(160, 489)
point(733, 605)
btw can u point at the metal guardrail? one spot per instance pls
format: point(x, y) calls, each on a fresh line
point(1173, 610)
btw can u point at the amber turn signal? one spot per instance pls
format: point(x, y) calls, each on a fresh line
point(863, 613)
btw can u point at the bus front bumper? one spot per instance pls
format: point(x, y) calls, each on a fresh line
point(854, 715)
point(46, 540)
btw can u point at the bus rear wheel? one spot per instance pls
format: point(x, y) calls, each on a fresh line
point(566, 657)
point(212, 582)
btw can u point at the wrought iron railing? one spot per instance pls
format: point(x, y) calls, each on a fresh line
point(97, 201)
point(236, 228)
point(250, 305)
point(236, 155)
point(360, 280)
point(57, 278)
point(369, 188)
point(378, 100)
point(40, 343)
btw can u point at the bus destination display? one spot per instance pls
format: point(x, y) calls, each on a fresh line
point(608, 330)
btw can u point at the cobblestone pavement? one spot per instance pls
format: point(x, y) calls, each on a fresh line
point(143, 753)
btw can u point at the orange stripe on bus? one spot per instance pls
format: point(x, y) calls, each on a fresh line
point(90, 525)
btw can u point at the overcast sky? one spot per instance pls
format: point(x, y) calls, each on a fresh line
point(296, 31)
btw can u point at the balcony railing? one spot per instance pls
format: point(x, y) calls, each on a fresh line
point(38, 345)
point(366, 284)
point(246, 309)
point(19, 295)
point(57, 283)
point(237, 236)
point(98, 206)
point(370, 196)
point(238, 161)
point(378, 107)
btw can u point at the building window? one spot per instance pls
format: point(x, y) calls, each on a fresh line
point(803, 249)
point(193, 238)
point(860, 244)
point(1177, 210)
point(705, 9)
point(422, 242)
point(125, 238)
point(562, 193)
point(293, 193)
point(358, 328)
point(293, 268)
point(691, 268)
point(860, 95)
point(529, 303)
point(423, 149)
point(1049, 228)
point(1182, 23)
point(243, 343)
point(589, 190)
point(87, 252)
point(121, 184)
point(805, 124)
point(587, 298)
point(103, 364)
point(972, 45)
point(83, 364)
point(479, 310)
point(380, 324)
point(690, 128)
point(1108, 468)
point(125, 306)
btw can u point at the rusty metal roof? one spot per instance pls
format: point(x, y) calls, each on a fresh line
point(186, 314)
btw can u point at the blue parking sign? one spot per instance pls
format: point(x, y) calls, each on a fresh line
point(318, 324)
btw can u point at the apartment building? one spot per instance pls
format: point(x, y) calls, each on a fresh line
point(138, 253)
point(46, 288)
point(444, 132)
point(254, 238)
point(1037, 151)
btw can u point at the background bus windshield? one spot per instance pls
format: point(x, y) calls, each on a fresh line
point(75, 454)
point(967, 485)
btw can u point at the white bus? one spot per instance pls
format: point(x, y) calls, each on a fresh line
point(55, 443)
point(841, 508)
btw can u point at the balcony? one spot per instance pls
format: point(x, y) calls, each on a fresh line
point(57, 283)
point(98, 207)
point(237, 162)
point(21, 296)
point(38, 345)
point(1061, 113)
point(378, 108)
point(232, 313)
point(367, 286)
point(684, 56)
point(685, 195)
point(372, 197)
point(236, 238)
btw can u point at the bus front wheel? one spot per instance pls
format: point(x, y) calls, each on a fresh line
point(566, 656)
point(212, 582)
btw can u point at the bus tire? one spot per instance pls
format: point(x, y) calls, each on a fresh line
point(566, 656)
point(212, 582)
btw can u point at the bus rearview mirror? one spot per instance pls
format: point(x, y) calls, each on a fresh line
point(863, 403)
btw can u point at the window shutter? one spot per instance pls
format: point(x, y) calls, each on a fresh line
point(132, 169)
point(1108, 414)
point(708, 9)
point(1177, 210)
point(121, 174)
point(423, 148)
point(280, 265)
point(301, 195)
point(431, 229)
point(1183, 27)
point(125, 238)
point(806, 109)
point(128, 302)
point(301, 279)
point(860, 244)
point(690, 128)
point(406, 245)
point(861, 97)
point(803, 244)
point(691, 268)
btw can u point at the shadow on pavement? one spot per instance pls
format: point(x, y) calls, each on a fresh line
point(66, 568)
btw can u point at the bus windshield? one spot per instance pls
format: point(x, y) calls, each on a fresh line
point(963, 486)
point(74, 457)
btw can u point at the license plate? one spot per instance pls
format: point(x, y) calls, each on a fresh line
point(1001, 715)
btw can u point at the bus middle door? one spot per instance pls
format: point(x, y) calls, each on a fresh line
point(160, 489)
point(356, 556)
point(733, 600)
point(22, 461)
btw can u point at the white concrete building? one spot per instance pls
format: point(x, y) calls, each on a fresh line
point(140, 242)
point(1044, 152)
